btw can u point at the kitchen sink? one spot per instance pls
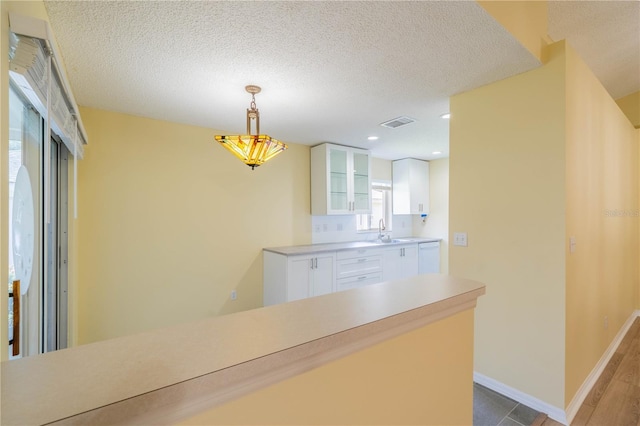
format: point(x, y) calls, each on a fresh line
point(387, 241)
point(396, 241)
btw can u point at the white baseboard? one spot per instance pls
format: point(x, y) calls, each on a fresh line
point(590, 381)
point(555, 413)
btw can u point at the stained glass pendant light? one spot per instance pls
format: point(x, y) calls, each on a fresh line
point(252, 149)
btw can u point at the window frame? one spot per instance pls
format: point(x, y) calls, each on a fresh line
point(367, 219)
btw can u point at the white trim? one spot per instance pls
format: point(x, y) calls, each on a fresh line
point(557, 414)
point(552, 411)
point(47, 149)
point(590, 381)
point(75, 172)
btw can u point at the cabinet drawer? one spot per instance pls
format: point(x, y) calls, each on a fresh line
point(358, 266)
point(362, 252)
point(358, 281)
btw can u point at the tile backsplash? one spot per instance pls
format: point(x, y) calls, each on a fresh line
point(338, 229)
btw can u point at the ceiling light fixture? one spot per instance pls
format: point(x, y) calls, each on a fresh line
point(252, 149)
point(372, 138)
point(445, 115)
point(436, 152)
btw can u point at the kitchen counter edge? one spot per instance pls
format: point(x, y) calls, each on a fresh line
point(327, 247)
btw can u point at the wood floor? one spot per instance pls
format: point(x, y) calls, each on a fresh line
point(615, 398)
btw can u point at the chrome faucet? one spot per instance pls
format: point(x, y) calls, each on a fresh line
point(381, 228)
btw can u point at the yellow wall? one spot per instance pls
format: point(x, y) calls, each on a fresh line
point(405, 380)
point(170, 223)
point(507, 192)
point(536, 159)
point(630, 105)
point(602, 203)
point(437, 224)
point(525, 20)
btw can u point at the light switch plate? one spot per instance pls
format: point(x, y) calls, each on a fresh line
point(460, 239)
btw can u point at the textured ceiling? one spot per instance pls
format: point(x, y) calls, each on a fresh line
point(606, 34)
point(330, 71)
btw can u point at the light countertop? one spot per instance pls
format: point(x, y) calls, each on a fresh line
point(154, 377)
point(322, 248)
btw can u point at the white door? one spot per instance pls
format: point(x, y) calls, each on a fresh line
point(419, 186)
point(392, 264)
point(323, 275)
point(298, 281)
point(409, 261)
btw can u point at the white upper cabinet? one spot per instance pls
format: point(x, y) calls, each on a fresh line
point(410, 186)
point(340, 180)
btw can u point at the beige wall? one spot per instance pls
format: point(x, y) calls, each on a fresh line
point(525, 20)
point(602, 203)
point(170, 223)
point(630, 105)
point(437, 224)
point(507, 192)
point(405, 380)
point(537, 159)
point(381, 169)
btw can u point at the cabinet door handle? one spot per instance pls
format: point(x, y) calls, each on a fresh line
point(311, 263)
point(316, 263)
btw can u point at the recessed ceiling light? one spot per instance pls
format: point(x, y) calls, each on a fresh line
point(436, 152)
point(373, 138)
point(446, 115)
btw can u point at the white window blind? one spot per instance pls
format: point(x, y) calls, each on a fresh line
point(29, 70)
point(35, 68)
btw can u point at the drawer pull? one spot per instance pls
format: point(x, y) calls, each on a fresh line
point(362, 278)
point(362, 260)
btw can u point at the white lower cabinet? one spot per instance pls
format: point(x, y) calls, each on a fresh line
point(400, 262)
point(288, 278)
point(358, 281)
point(293, 277)
point(357, 268)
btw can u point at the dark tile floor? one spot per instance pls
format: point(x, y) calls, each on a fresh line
point(492, 409)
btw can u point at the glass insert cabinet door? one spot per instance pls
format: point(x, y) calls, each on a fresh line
point(338, 180)
point(361, 182)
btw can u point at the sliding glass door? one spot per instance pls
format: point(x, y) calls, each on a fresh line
point(38, 243)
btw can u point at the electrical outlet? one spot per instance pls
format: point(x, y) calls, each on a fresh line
point(317, 228)
point(339, 227)
point(325, 227)
point(460, 239)
point(572, 244)
point(234, 295)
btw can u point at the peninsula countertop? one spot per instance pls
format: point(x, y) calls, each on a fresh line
point(323, 248)
point(155, 376)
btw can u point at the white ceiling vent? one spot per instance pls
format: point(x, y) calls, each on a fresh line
point(397, 122)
